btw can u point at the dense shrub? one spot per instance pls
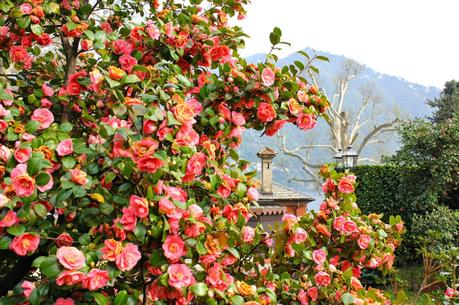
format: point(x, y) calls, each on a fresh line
point(395, 190)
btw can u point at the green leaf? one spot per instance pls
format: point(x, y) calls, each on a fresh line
point(157, 259)
point(4, 95)
point(32, 126)
point(5, 242)
point(199, 289)
point(16, 230)
point(184, 80)
point(237, 300)
point(34, 165)
point(68, 162)
point(234, 252)
point(35, 298)
point(42, 179)
point(347, 298)
point(100, 299)
point(50, 267)
point(322, 58)
point(121, 298)
point(71, 26)
point(36, 29)
point(66, 127)
point(40, 210)
point(130, 79)
point(401, 298)
point(112, 83)
point(201, 248)
point(24, 21)
point(140, 231)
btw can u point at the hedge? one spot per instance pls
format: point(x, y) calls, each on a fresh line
point(395, 190)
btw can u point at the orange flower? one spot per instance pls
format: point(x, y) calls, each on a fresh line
point(183, 112)
point(216, 243)
point(130, 101)
point(244, 288)
point(115, 73)
point(47, 152)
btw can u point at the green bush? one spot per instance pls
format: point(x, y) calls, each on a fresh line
point(396, 190)
point(441, 225)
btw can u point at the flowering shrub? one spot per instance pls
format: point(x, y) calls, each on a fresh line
point(116, 140)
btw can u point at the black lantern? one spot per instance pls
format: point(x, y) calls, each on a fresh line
point(339, 158)
point(350, 158)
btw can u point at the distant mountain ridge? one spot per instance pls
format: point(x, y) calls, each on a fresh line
point(407, 98)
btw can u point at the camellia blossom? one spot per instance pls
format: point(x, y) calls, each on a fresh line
point(174, 248)
point(180, 276)
point(128, 258)
point(70, 257)
point(43, 116)
point(268, 77)
point(25, 244)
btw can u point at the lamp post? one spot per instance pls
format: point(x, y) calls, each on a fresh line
point(346, 160)
point(338, 158)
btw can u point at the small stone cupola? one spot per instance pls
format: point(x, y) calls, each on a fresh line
point(266, 155)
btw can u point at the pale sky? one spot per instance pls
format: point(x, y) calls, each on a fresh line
point(414, 39)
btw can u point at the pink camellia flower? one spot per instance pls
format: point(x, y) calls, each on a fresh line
point(174, 248)
point(266, 112)
point(28, 287)
point(313, 293)
point(196, 164)
point(5, 153)
point(268, 77)
point(217, 278)
point(149, 164)
point(187, 136)
point(62, 301)
point(70, 257)
point(70, 277)
point(350, 227)
point(128, 258)
point(322, 279)
point(306, 121)
point(364, 241)
point(346, 185)
point(289, 250)
point(247, 233)
point(23, 184)
point(96, 279)
point(78, 176)
point(319, 256)
point(289, 220)
point(22, 154)
point(299, 236)
point(274, 128)
point(25, 243)
point(127, 62)
point(328, 185)
point(451, 293)
point(43, 116)
point(65, 147)
point(180, 276)
point(338, 223)
point(152, 31)
point(253, 194)
point(3, 125)
point(129, 219)
point(9, 220)
point(139, 206)
point(195, 210)
point(47, 90)
point(26, 8)
point(303, 297)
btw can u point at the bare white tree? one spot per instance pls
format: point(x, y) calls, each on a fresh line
point(350, 124)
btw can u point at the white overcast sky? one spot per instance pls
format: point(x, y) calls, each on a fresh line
point(414, 39)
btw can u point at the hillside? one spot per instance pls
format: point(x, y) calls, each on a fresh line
point(396, 95)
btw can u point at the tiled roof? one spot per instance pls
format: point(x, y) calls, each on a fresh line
point(268, 210)
point(283, 193)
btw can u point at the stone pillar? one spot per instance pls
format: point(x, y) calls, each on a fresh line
point(266, 155)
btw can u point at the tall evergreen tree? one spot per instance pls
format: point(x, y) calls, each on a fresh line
point(447, 103)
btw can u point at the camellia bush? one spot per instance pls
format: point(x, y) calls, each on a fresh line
point(119, 179)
